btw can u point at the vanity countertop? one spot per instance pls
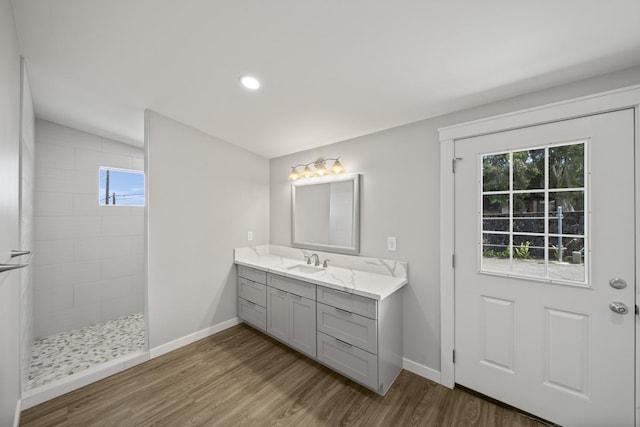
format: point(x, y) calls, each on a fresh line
point(364, 283)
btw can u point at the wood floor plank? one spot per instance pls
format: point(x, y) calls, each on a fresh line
point(241, 377)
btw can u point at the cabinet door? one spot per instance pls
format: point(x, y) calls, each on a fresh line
point(302, 324)
point(277, 317)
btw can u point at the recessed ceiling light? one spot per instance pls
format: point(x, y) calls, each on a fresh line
point(250, 82)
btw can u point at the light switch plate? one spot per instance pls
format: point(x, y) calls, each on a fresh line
point(391, 243)
point(250, 235)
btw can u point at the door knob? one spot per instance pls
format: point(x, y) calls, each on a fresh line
point(618, 307)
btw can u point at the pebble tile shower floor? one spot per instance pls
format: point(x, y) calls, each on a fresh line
point(64, 354)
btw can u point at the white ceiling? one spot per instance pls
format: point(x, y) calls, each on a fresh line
point(330, 69)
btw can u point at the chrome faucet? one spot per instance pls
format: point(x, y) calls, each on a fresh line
point(317, 263)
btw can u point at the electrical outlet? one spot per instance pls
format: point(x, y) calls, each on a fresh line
point(250, 235)
point(391, 243)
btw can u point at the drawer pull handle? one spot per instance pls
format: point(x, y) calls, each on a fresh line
point(345, 312)
point(251, 303)
point(346, 344)
point(341, 292)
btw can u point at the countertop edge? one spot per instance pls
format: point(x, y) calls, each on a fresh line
point(388, 292)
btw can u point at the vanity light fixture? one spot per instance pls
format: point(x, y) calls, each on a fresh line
point(320, 169)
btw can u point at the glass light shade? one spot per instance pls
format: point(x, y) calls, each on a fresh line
point(337, 167)
point(321, 170)
point(307, 172)
point(294, 174)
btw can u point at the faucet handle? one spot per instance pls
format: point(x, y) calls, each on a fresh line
point(325, 263)
point(308, 259)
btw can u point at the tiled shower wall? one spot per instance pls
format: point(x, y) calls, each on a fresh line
point(89, 258)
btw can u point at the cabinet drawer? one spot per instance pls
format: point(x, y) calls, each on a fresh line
point(351, 328)
point(293, 286)
point(252, 313)
point(252, 274)
point(353, 303)
point(252, 291)
point(351, 361)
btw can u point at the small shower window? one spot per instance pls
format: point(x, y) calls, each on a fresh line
point(120, 187)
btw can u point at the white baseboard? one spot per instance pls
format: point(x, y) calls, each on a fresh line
point(191, 338)
point(38, 395)
point(421, 370)
point(16, 416)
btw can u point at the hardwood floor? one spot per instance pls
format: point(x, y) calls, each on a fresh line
point(242, 377)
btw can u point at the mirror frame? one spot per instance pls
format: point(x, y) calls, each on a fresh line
point(355, 236)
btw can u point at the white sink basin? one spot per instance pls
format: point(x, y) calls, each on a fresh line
point(306, 269)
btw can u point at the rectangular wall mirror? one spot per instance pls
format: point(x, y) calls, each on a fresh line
point(326, 214)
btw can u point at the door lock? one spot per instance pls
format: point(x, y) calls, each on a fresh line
point(617, 283)
point(618, 307)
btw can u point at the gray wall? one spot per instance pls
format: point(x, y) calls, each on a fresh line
point(400, 170)
point(204, 195)
point(9, 214)
point(89, 260)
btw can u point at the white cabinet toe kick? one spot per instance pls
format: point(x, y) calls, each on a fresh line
point(359, 337)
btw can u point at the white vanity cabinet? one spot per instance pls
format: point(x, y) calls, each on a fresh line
point(252, 296)
point(359, 337)
point(291, 313)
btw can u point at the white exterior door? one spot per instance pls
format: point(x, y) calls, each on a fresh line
point(544, 242)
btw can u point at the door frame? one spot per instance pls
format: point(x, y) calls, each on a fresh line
point(603, 102)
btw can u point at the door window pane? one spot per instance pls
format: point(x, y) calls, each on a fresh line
point(528, 255)
point(533, 213)
point(566, 212)
point(495, 212)
point(567, 258)
point(528, 169)
point(496, 252)
point(528, 247)
point(566, 166)
point(528, 212)
point(495, 172)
